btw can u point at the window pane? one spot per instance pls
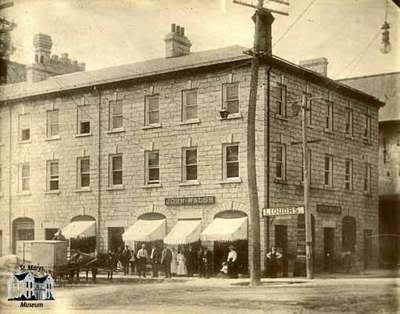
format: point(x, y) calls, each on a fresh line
point(85, 165)
point(191, 172)
point(326, 178)
point(154, 174)
point(25, 171)
point(25, 134)
point(232, 91)
point(117, 177)
point(152, 103)
point(191, 156)
point(117, 122)
point(232, 170)
point(54, 169)
point(25, 184)
point(232, 153)
point(54, 185)
point(117, 108)
point(191, 98)
point(153, 159)
point(279, 154)
point(117, 163)
point(232, 106)
point(279, 170)
point(326, 163)
point(84, 127)
point(153, 117)
point(85, 180)
point(191, 112)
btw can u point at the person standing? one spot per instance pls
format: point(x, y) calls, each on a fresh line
point(273, 256)
point(125, 257)
point(200, 267)
point(166, 257)
point(232, 262)
point(174, 263)
point(133, 261)
point(142, 257)
point(206, 259)
point(155, 260)
point(182, 269)
point(190, 261)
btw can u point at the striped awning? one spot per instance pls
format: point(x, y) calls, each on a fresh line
point(80, 229)
point(185, 231)
point(145, 231)
point(225, 229)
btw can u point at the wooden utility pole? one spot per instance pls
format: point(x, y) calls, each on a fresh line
point(307, 214)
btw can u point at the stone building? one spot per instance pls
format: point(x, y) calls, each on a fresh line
point(142, 148)
point(386, 87)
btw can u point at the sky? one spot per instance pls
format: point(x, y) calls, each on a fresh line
point(105, 33)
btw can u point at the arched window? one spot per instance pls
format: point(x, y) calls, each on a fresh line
point(349, 235)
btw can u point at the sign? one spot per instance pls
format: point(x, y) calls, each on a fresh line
point(283, 211)
point(193, 200)
point(329, 209)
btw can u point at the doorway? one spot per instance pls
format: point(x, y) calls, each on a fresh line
point(329, 249)
point(367, 247)
point(23, 229)
point(115, 238)
point(281, 244)
point(49, 233)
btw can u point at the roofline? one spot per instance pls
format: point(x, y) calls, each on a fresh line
point(371, 75)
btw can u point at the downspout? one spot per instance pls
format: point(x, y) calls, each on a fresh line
point(10, 230)
point(98, 174)
point(267, 220)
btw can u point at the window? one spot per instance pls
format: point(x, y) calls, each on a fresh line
point(190, 164)
point(309, 111)
point(231, 161)
point(152, 109)
point(281, 102)
point(367, 177)
point(348, 174)
point(116, 114)
point(25, 177)
point(189, 104)
point(328, 178)
point(83, 121)
point(25, 127)
point(309, 166)
point(280, 162)
point(115, 170)
point(53, 175)
point(84, 172)
point(329, 116)
point(152, 167)
point(367, 126)
point(52, 123)
point(231, 97)
point(349, 234)
point(349, 122)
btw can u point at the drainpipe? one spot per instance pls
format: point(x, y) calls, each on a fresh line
point(267, 220)
point(10, 230)
point(98, 174)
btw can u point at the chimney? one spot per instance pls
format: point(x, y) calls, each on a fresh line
point(42, 44)
point(176, 43)
point(319, 65)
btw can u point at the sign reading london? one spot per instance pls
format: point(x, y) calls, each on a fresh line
point(192, 200)
point(283, 211)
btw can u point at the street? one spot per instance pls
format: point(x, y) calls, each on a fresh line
point(184, 295)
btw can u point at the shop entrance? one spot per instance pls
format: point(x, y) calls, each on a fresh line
point(115, 238)
point(329, 249)
point(367, 247)
point(49, 233)
point(23, 229)
point(281, 244)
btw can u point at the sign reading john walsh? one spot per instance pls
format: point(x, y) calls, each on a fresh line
point(192, 200)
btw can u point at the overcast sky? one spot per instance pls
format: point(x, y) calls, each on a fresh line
point(104, 33)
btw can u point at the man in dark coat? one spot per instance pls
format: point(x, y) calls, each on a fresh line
point(191, 259)
point(200, 261)
point(155, 260)
point(166, 257)
point(125, 257)
point(206, 262)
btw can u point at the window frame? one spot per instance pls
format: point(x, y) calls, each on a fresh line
point(21, 122)
point(225, 161)
point(329, 116)
point(282, 102)
point(348, 176)
point(23, 178)
point(185, 105)
point(147, 168)
point(112, 170)
point(367, 135)
point(328, 171)
point(147, 111)
point(226, 101)
point(349, 122)
point(185, 165)
point(51, 124)
point(282, 163)
point(112, 116)
point(367, 177)
point(81, 173)
point(53, 177)
point(81, 121)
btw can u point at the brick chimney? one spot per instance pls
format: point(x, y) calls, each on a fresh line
point(46, 65)
point(176, 43)
point(319, 65)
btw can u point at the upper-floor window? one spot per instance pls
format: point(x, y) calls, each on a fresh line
point(83, 120)
point(52, 175)
point(52, 123)
point(25, 127)
point(348, 174)
point(152, 170)
point(152, 109)
point(190, 164)
point(309, 111)
point(367, 126)
point(189, 104)
point(367, 177)
point(328, 170)
point(349, 122)
point(309, 166)
point(116, 114)
point(280, 162)
point(116, 172)
point(231, 161)
point(329, 116)
point(281, 100)
point(83, 172)
point(25, 177)
point(230, 97)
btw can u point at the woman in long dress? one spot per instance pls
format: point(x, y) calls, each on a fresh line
point(182, 269)
point(174, 263)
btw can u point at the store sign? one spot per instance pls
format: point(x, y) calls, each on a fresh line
point(193, 200)
point(283, 211)
point(329, 209)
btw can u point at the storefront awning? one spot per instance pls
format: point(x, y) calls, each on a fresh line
point(79, 229)
point(185, 231)
point(226, 229)
point(145, 231)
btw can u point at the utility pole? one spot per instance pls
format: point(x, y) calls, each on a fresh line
point(307, 213)
point(263, 20)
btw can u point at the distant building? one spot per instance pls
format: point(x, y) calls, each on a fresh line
point(386, 87)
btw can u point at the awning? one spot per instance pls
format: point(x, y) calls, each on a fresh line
point(79, 229)
point(226, 229)
point(185, 231)
point(145, 231)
